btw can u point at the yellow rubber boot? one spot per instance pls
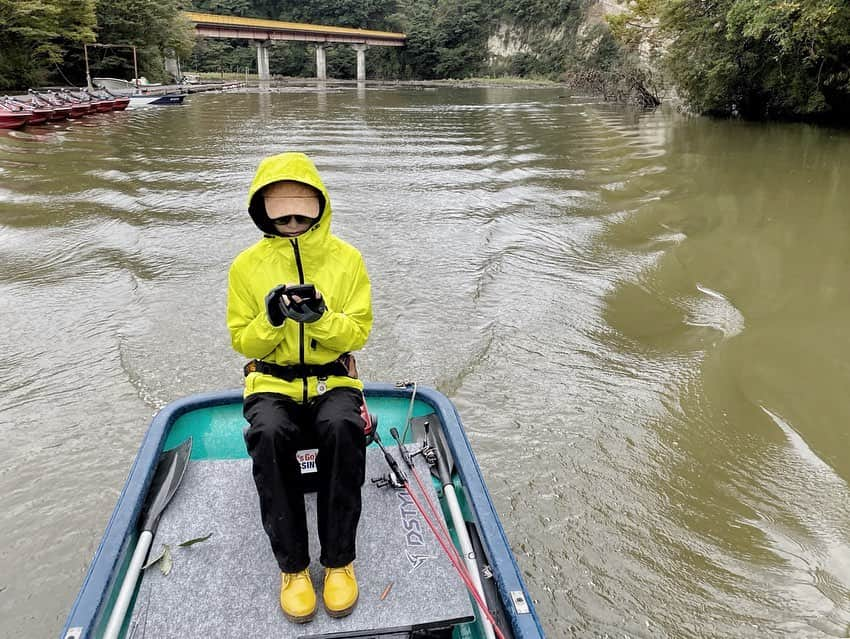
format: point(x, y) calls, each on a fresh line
point(297, 597)
point(340, 591)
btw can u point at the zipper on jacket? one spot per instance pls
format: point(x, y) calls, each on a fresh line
point(294, 243)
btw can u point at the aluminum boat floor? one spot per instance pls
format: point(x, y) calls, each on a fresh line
point(228, 586)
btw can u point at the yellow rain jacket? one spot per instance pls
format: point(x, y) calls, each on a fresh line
point(315, 257)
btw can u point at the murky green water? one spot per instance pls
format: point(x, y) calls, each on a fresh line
point(642, 319)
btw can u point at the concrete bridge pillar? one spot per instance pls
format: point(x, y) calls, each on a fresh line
point(361, 61)
point(263, 60)
point(321, 63)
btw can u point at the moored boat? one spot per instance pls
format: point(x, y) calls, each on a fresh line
point(98, 103)
point(121, 101)
point(102, 104)
point(40, 111)
point(60, 109)
point(156, 100)
point(225, 581)
point(79, 107)
point(12, 117)
point(106, 96)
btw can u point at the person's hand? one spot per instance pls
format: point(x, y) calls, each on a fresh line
point(274, 305)
point(303, 310)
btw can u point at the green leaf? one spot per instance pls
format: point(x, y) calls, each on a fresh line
point(164, 556)
point(166, 563)
point(192, 542)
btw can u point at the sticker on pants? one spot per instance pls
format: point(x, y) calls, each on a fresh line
point(307, 459)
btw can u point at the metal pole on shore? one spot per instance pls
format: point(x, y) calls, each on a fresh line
point(135, 70)
point(111, 46)
point(88, 75)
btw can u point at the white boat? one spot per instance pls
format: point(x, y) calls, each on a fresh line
point(139, 95)
point(138, 101)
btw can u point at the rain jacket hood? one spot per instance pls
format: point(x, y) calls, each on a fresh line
point(296, 167)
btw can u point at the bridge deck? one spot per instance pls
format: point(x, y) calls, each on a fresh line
point(216, 26)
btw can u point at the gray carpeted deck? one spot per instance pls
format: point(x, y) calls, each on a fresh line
point(228, 586)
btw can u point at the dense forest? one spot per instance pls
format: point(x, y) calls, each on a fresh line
point(752, 58)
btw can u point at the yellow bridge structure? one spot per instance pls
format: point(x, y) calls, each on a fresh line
point(263, 32)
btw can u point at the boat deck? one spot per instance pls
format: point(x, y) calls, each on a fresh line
point(228, 585)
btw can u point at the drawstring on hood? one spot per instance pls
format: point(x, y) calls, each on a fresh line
point(296, 167)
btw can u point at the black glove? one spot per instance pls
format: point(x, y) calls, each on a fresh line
point(274, 305)
point(305, 311)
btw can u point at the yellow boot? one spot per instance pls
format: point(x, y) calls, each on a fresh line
point(297, 597)
point(340, 592)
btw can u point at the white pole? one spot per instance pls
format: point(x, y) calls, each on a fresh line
point(119, 610)
point(467, 551)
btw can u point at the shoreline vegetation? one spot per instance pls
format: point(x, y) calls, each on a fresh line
point(743, 59)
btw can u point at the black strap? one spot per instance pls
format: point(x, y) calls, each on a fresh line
point(295, 371)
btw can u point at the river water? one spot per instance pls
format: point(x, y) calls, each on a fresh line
point(642, 319)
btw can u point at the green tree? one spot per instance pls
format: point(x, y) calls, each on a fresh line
point(461, 33)
point(155, 27)
point(36, 35)
point(782, 59)
point(243, 8)
point(420, 56)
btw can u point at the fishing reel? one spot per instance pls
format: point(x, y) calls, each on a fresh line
point(428, 452)
point(389, 479)
point(398, 479)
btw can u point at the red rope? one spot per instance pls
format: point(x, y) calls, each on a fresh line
point(436, 514)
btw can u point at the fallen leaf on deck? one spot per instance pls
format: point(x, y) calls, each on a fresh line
point(194, 541)
point(164, 557)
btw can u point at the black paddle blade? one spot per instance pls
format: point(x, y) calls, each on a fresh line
point(166, 479)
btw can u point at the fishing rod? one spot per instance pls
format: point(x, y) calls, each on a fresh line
point(468, 554)
point(408, 459)
point(399, 479)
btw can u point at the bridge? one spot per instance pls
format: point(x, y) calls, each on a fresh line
point(263, 32)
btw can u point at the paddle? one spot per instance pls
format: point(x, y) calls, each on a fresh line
point(166, 479)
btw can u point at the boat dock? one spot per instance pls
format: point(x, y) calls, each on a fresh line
point(162, 89)
point(48, 105)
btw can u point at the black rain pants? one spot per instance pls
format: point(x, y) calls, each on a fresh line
point(279, 427)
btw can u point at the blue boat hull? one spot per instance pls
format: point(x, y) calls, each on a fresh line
point(222, 439)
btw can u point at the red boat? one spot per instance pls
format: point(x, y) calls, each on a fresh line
point(86, 100)
point(11, 117)
point(121, 101)
point(79, 107)
point(60, 112)
point(38, 110)
point(80, 99)
point(60, 109)
point(101, 102)
point(80, 104)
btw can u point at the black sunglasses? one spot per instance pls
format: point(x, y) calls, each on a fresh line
point(286, 219)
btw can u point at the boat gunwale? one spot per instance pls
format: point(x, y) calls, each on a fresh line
point(86, 612)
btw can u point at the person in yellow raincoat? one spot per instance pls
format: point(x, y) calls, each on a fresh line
point(298, 303)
